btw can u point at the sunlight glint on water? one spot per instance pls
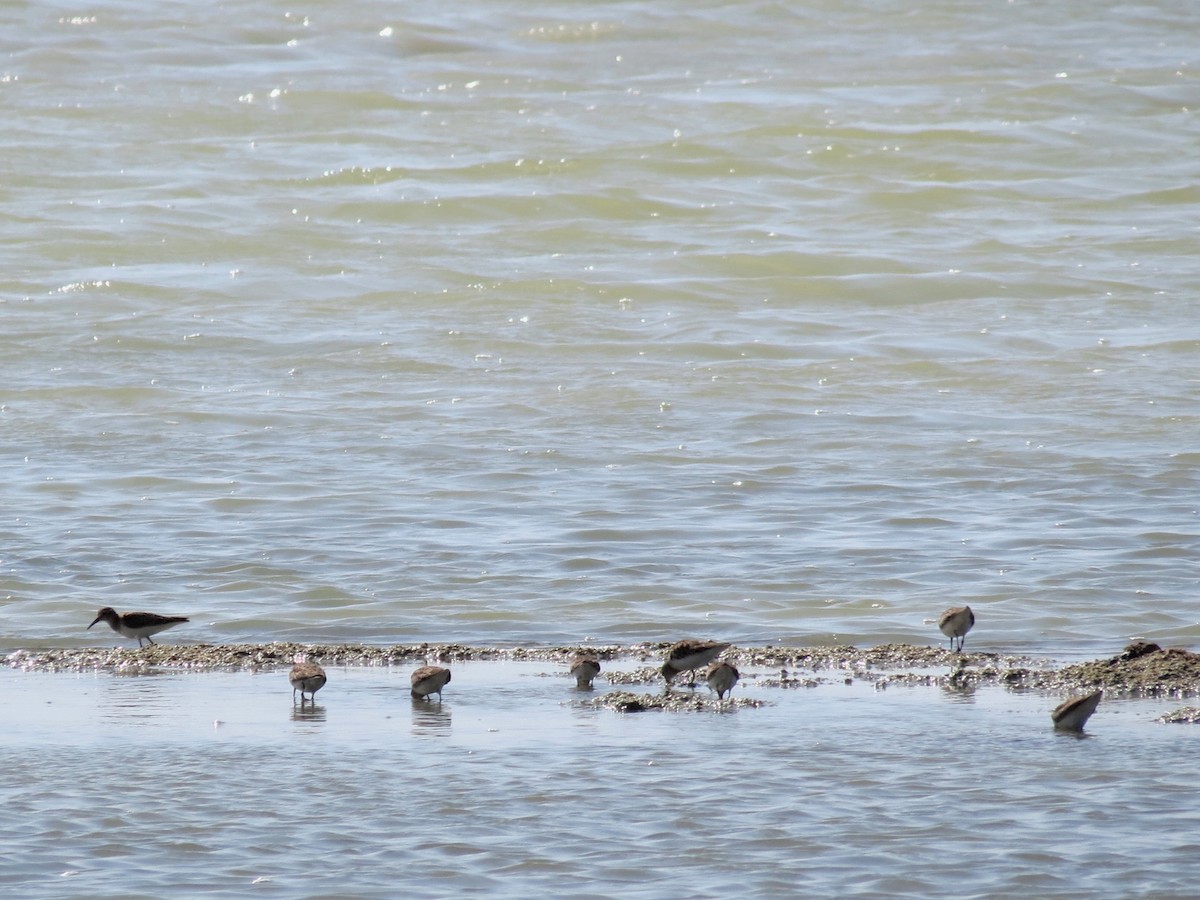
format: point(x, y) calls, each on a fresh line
point(508, 325)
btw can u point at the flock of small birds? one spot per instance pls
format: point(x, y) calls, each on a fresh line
point(685, 656)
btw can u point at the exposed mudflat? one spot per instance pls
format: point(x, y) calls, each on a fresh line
point(672, 701)
point(1187, 715)
point(1140, 670)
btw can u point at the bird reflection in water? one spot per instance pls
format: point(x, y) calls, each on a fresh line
point(961, 682)
point(309, 713)
point(430, 718)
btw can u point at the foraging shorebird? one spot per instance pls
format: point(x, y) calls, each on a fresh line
point(584, 667)
point(429, 680)
point(688, 656)
point(721, 677)
point(307, 678)
point(138, 625)
point(955, 623)
point(1072, 715)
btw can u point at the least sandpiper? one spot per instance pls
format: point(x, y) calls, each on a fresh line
point(1072, 715)
point(138, 625)
point(688, 656)
point(429, 680)
point(955, 623)
point(584, 667)
point(307, 678)
point(721, 677)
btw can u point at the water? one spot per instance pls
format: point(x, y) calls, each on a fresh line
point(188, 783)
point(522, 325)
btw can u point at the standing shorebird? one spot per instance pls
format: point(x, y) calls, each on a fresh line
point(584, 667)
point(429, 680)
point(307, 678)
point(1072, 715)
point(721, 677)
point(955, 623)
point(138, 625)
point(688, 656)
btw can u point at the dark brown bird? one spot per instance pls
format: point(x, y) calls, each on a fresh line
point(306, 677)
point(721, 677)
point(688, 656)
point(584, 668)
point(1072, 715)
point(955, 623)
point(429, 680)
point(138, 625)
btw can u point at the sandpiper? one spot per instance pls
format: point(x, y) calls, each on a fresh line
point(721, 677)
point(955, 623)
point(1072, 715)
point(584, 667)
point(138, 625)
point(429, 680)
point(688, 656)
point(307, 678)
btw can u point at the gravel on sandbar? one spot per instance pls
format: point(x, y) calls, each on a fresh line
point(1140, 670)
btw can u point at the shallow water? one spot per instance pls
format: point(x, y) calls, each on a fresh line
point(524, 326)
point(180, 783)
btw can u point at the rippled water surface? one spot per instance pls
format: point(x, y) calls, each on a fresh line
point(215, 783)
point(517, 324)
